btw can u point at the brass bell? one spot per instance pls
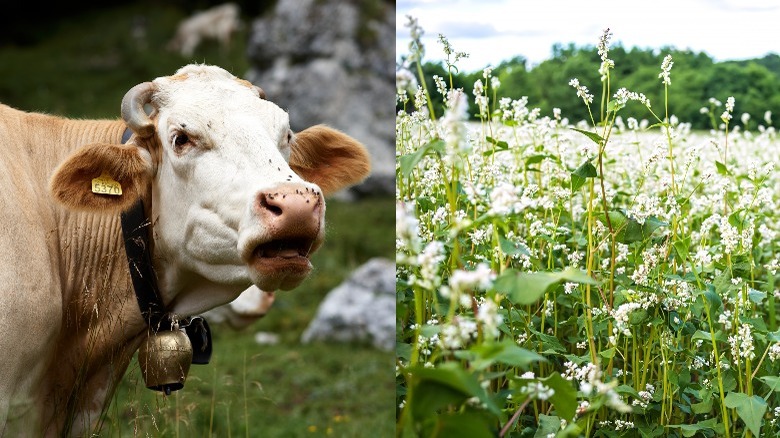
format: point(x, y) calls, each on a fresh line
point(165, 359)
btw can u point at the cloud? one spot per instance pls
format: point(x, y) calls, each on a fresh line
point(460, 29)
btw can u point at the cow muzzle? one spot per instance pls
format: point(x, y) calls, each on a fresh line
point(292, 217)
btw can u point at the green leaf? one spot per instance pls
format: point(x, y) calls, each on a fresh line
point(573, 430)
point(648, 431)
point(756, 296)
point(547, 425)
point(431, 396)
point(608, 353)
point(599, 140)
point(526, 288)
point(722, 169)
point(464, 424)
point(409, 161)
point(564, 398)
point(499, 144)
point(629, 230)
point(689, 430)
point(581, 174)
point(511, 248)
point(681, 248)
point(446, 384)
point(506, 352)
point(550, 344)
point(750, 409)
point(614, 106)
point(403, 350)
point(714, 302)
point(704, 407)
point(625, 389)
point(773, 382)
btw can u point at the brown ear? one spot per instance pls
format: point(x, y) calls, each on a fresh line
point(72, 181)
point(329, 158)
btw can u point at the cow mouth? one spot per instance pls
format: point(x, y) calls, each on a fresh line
point(287, 249)
point(283, 263)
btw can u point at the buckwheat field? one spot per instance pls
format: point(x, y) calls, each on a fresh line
point(610, 277)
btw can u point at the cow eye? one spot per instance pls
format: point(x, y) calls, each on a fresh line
point(180, 140)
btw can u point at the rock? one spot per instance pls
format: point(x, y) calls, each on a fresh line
point(332, 62)
point(361, 309)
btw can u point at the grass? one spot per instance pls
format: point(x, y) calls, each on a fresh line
point(82, 70)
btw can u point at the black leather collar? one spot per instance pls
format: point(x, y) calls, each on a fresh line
point(136, 227)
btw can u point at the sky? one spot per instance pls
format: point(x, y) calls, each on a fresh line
point(491, 31)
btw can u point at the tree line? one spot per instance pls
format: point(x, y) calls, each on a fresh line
point(695, 76)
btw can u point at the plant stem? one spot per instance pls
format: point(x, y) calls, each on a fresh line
point(724, 411)
point(512, 420)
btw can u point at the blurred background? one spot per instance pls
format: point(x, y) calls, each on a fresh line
point(325, 62)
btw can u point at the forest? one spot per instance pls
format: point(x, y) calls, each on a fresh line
point(699, 82)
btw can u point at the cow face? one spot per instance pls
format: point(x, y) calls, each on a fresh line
point(237, 197)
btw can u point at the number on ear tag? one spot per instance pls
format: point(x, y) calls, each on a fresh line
point(105, 185)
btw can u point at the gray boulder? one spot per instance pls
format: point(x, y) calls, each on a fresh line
point(332, 62)
point(361, 309)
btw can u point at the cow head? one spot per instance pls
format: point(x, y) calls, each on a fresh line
point(236, 196)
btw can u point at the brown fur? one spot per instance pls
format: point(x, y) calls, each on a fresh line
point(345, 162)
point(71, 183)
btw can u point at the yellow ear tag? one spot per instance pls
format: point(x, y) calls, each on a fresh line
point(105, 185)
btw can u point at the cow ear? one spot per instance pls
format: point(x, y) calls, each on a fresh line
point(329, 158)
point(93, 176)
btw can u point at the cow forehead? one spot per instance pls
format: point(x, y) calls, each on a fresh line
point(208, 93)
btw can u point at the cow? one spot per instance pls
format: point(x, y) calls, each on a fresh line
point(218, 23)
point(234, 199)
point(250, 306)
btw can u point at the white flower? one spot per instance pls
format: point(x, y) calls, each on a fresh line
point(481, 277)
point(774, 351)
point(603, 46)
point(487, 315)
point(730, 104)
point(459, 333)
point(538, 390)
point(582, 91)
point(622, 96)
point(666, 67)
point(742, 343)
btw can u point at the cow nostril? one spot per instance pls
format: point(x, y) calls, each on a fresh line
point(267, 203)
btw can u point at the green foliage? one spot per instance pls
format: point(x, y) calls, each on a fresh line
point(527, 288)
point(755, 83)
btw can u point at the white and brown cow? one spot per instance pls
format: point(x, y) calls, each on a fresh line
point(236, 199)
